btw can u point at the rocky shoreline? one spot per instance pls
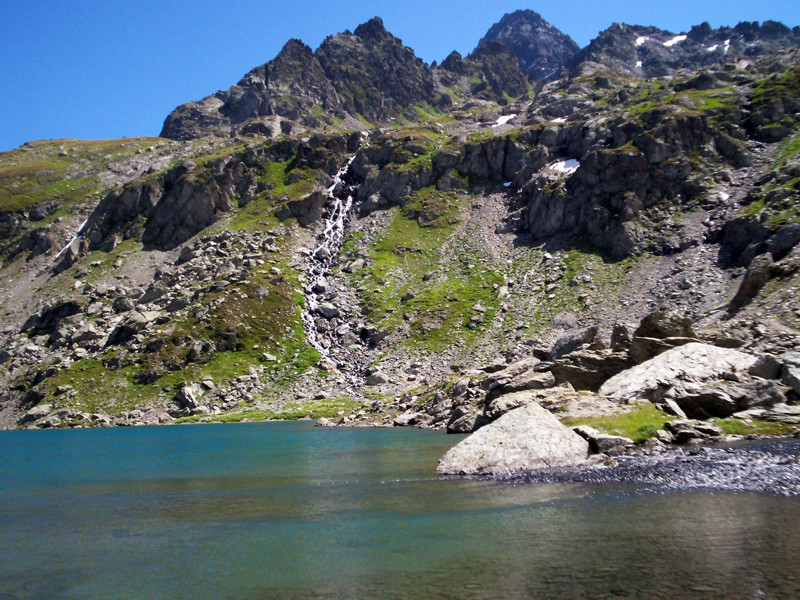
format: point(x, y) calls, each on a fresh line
point(767, 465)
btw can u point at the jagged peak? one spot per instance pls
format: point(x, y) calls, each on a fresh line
point(542, 48)
point(295, 45)
point(372, 29)
point(522, 14)
point(454, 62)
point(489, 48)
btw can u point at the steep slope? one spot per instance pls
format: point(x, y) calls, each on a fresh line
point(542, 49)
point(413, 273)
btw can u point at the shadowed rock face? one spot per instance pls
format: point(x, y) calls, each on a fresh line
point(542, 49)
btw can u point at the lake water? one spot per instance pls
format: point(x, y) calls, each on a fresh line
point(285, 510)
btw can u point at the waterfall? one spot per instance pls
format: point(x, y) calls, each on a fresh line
point(319, 261)
point(72, 241)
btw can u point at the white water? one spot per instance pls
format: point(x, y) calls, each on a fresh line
point(318, 262)
point(72, 241)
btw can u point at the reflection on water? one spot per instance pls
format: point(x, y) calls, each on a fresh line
point(284, 510)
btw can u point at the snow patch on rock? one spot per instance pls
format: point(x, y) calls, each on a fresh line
point(676, 40)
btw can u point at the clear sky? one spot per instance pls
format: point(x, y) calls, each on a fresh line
point(112, 68)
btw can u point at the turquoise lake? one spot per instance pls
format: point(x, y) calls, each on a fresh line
point(286, 510)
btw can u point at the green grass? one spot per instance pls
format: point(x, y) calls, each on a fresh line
point(753, 208)
point(432, 208)
point(789, 148)
point(37, 171)
point(263, 324)
point(316, 409)
point(733, 426)
point(441, 308)
point(640, 424)
point(278, 173)
point(99, 390)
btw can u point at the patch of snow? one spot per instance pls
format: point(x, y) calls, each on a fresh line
point(676, 40)
point(727, 46)
point(503, 120)
point(712, 48)
point(567, 167)
point(641, 40)
point(507, 184)
point(638, 64)
point(559, 120)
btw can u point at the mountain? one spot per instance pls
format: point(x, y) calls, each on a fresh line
point(652, 52)
point(350, 233)
point(352, 78)
point(542, 49)
point(367, 74)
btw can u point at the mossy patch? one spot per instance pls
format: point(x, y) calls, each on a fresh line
point(435, 298)
point(733, 426)
point(639, 424)
point(314, 409)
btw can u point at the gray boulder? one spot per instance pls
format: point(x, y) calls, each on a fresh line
point(687, 430)
point(758, 274)
point(465, 419)
point(505, 376)
point(524, 439)
point(643, 349)
point(663, 325)
point(328, 310)
point(587, 370)
point(703, 380)
point(604, 443)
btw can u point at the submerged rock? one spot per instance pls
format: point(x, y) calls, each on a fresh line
point(524, 439)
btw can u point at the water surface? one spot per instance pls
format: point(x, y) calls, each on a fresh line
point(284, 510)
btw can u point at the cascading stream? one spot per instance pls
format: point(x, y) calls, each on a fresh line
point(318, 265)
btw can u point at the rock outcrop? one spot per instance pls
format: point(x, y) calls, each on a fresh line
point(703, 380)
point(542, 49)
point(522, 440)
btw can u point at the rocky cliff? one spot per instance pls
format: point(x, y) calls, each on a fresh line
point(353, 234)
point(542, 49)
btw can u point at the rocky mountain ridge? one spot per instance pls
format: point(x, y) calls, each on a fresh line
point(369, 77)
point(435, 273)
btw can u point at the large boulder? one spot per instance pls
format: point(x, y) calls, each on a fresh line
point(703, 380)
point(663, 325)
point(588, 370)
point(518, 377)
point(522, 440)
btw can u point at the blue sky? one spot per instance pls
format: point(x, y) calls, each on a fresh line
point(106, 69)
